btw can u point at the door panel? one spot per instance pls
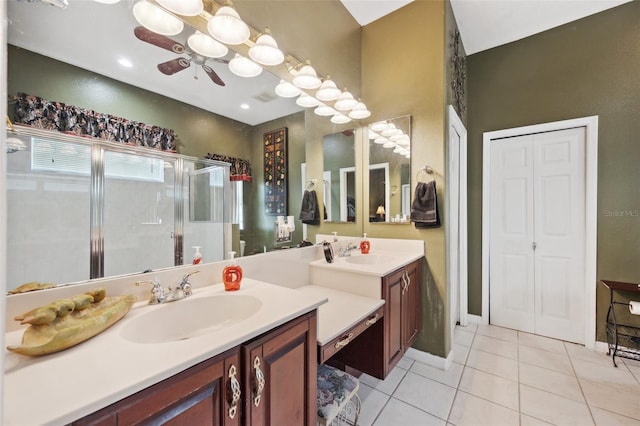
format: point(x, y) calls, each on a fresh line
point(559, 233)
point(511, 257)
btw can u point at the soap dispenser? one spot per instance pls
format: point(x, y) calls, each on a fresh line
point(232, 274)
point(365, 245)
point(197, 256)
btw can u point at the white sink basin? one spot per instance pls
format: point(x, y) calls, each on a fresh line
point(190, 318)
point(368, 259)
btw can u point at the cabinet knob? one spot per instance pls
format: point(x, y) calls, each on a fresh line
point(258, 381)
point(233, 392)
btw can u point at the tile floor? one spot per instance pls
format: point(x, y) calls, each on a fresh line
point(504, 377)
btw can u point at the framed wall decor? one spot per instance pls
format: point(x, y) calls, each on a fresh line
point(275, 172)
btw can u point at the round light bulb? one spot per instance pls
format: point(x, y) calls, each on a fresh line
point(227, 27)
point(155, 19)
point(182, 7)
point(206, 45)
point(244, 67)
point(266, 51)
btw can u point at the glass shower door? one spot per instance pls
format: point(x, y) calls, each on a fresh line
point(138, 213)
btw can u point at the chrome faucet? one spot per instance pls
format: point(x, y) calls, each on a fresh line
point(160, 295)
point(345, 249)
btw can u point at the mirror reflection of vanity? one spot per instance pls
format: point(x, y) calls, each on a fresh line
point(390, 171)
point(339, 176)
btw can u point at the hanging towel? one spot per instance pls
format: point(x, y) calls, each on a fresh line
point(310, 212)
point(424, 209)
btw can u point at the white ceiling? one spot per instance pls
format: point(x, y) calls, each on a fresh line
point(94, 36)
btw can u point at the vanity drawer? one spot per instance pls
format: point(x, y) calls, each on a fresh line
point(331, 348)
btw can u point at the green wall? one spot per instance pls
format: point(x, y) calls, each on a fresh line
point(587, 67)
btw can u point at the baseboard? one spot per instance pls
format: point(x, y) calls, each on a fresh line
point(430, 359)
point(601, 347)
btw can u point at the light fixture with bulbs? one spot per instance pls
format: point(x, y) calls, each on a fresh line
point(324, 110)
point(155, 19)
point(359, 111)
point(244, 67)
point(266, 51)
point(205, 45)
point(307, 101)
point(339, 118)
point(182, 7)
point(328, 91)
point(227, 27)
point(306, 77)
point(285, 89)
point(345, 101)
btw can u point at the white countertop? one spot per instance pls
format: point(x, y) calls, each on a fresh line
point(386, 261)
point(53, 389)
point(341, 312)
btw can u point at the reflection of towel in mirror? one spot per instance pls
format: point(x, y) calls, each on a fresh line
point(310, 212)
point(424, 209)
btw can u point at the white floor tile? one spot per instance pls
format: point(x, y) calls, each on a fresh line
point(604, 374)
point(541, 342)
point(545, 359)
point(460, 353)
point(531, 421)
point(451, 377)
point(551, 381)
point(580, 352)
point(426, 394)
point(495, 389)
point(553, 408)
point(469, 410)
point(607, 418)
point(405, 363)
point(496, 346)
point(462, 337)
point(389, 384)
point(500, 333)
point(373, 401)
point(471, 327)
point(398, 413)
point(621, 399)
point(494, 364)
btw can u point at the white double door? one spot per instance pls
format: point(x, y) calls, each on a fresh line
point(537, 233)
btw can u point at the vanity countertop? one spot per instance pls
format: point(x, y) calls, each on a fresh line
point(378, 262)
point(341, 311)
point(62, 387)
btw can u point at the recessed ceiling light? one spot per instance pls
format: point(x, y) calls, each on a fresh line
point(244, 106)
point(125, 62)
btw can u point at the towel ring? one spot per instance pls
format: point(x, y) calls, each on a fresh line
point(427, 170)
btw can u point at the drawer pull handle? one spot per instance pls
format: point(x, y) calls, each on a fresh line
point(258, 384)
point(344, 341)
point(233, 392)
point(371, 320)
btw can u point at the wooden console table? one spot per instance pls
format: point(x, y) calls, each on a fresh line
point(623, 339)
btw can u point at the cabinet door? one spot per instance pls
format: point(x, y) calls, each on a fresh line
point(280, 380)
point(196, 396)
point(411, 305)
point(392, 294)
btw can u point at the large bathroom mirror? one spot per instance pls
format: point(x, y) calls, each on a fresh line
point(390, 171)
point(339, 176)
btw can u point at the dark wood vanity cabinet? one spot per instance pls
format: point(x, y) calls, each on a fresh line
point(228, 390)
point(401, 292)
point(379, 348)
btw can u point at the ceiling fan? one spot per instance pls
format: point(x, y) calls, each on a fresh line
point(178, 64)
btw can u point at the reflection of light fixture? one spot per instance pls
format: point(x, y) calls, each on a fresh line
point(307, 78)
point(206, 46)
point(328, 91)
point(266, 51)
point(287, 90)
point(324, 110)
point(359, 111)
point(380, 211)
point(340, 119)
point(389, 144)
point(182, 7)
point(244, 67)
point(227, 27)
point(15, 144)
point(379, 126)
point(107, 1)
point(155, 19)
point(307, 101)
point(380, 140)
point(345, 101)
point(399, 137)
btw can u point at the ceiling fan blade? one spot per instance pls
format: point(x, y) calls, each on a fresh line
point(213, 75)
point(173, 66)
point(158, 40)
